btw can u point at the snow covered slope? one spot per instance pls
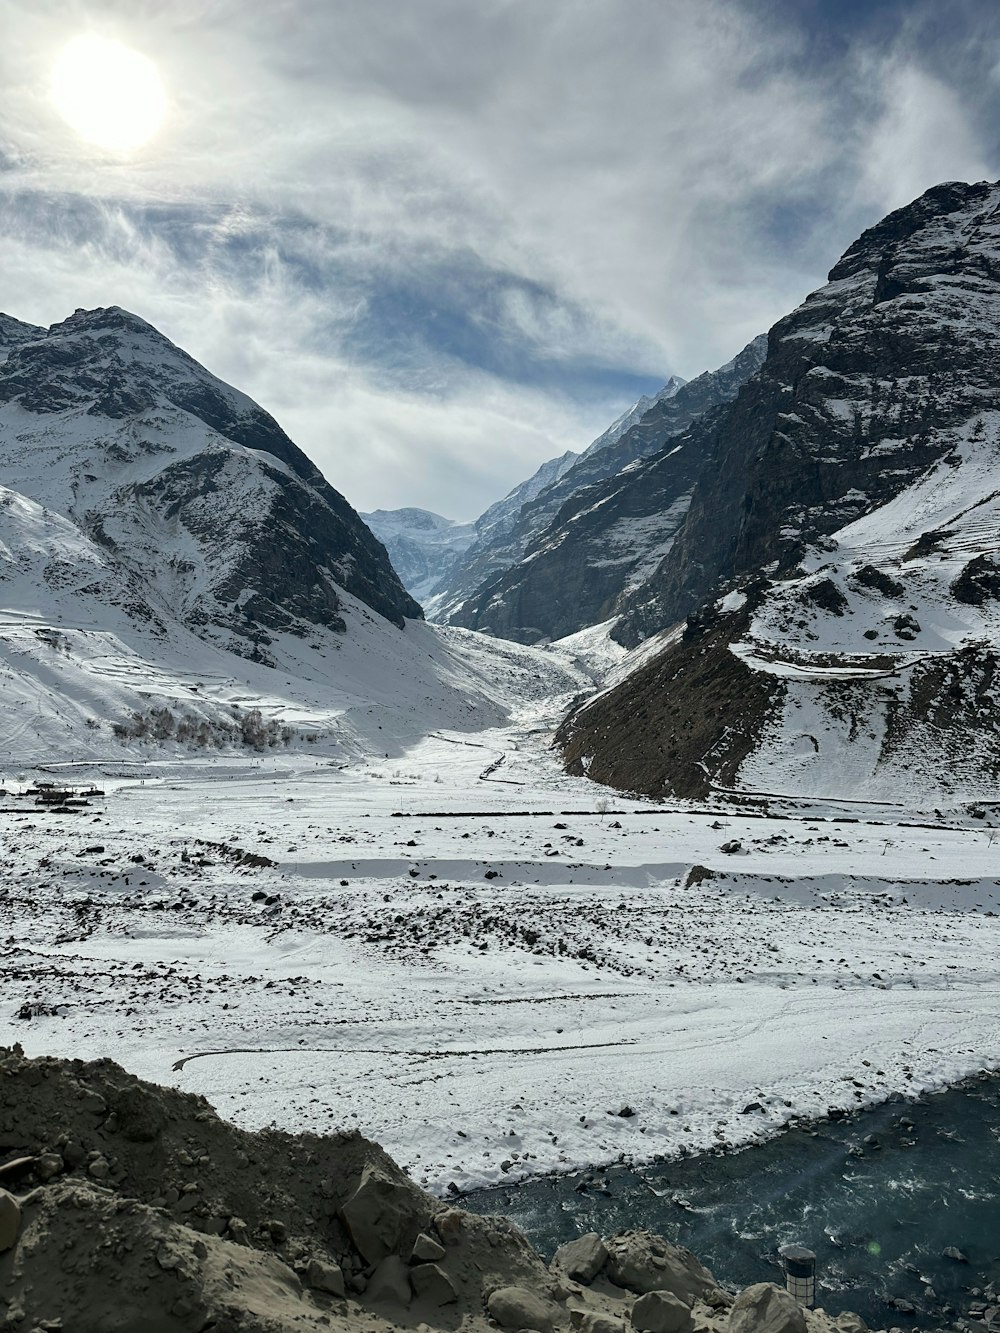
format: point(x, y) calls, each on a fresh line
point(174, 570)
point(422, 546)
point(854, 501)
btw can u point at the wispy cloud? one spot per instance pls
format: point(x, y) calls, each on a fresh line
point(442, 241)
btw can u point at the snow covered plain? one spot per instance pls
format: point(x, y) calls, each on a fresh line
point(460, 953)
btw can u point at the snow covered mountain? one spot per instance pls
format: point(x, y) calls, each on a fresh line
point(505, 530)
point(839, 565)
point(173, 567)
point(600, 528)
point(422, 546)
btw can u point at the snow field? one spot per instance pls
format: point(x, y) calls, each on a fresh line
point(481, 981)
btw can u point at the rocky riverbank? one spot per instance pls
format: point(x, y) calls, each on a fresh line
point(126, 1206)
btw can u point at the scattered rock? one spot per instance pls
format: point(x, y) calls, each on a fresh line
point(590, 1321)
point(766, 1308)
point(48, 1166)
point(426, 1250)
point(582, 1259)
point(661, 1312)
point(326, 1277)
point(390, 1282)
point(432, 1284)
point(516, 1307)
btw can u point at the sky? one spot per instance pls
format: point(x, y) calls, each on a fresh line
point(445, 240)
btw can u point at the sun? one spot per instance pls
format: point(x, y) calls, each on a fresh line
point(109, 93)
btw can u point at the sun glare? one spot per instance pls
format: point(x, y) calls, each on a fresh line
point(110, 94)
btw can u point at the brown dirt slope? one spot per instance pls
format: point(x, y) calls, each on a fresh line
point(689, 717)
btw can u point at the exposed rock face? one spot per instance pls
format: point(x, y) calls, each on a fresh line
point(422, 546)
point(558, 561)
point(859, 393)
point(851, 499)
point(206, 510)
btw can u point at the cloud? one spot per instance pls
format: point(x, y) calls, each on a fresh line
point(442, 242)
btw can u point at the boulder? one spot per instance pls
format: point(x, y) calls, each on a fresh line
point(381, 1216)
point(642, 1262)
point(426, 1250)
point(322, 1276)
point(390, 1282)
point(142, 1117)
point(765, 1308)
point(10, 1220)
point(661, 1312)
point(582, 1259)
point(850, 1323)
point(591, 1321)
point(433, 1285)
point(516, 1307)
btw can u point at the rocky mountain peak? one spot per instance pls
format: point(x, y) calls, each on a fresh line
point(208, 511)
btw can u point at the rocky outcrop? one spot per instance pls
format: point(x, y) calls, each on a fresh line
point(130, 1206)
point(560, 559)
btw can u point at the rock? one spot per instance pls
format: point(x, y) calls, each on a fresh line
point(426, 1250)
point(48, 1166)
point(449, 1225)
point(589, 1321)
point(732, 846)
point(516, 1307)
point(322, 1276)
point(850, 1323)
point(141, 1117)
point(765, 1308)
point(432, 1284)
point(10, 1220)
point(390, 1282)
point(582, 1259)
point(661, 1312)
point(381, 1216)
point(956, 1255)
point(99, 1168)
point(642, 1262)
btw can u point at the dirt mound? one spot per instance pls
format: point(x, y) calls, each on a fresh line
point(125, 1206)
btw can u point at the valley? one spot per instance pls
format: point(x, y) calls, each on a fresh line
point(494, 969)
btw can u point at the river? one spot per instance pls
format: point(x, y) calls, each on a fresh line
point(878, 1198)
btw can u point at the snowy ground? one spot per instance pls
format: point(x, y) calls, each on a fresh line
point(471, 962)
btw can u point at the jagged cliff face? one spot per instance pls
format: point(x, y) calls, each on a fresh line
point(603, 526)
point(506, 530)
point(179, 488)
point(852, 505)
